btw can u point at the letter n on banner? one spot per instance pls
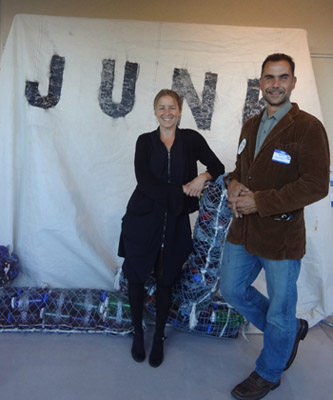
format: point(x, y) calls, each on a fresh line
point(201, 111)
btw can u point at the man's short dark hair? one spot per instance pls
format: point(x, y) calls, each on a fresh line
point(279, 57)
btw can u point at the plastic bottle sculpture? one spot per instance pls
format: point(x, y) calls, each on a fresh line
point(197, 305)
point(64, 310)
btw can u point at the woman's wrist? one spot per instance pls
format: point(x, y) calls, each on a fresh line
point(207, 176)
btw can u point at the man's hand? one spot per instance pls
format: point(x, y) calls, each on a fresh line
point(245, 203)
point(235, 190)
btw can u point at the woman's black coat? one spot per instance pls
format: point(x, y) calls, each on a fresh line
point(157, 212)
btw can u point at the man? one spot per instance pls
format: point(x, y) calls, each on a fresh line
point(282, 166)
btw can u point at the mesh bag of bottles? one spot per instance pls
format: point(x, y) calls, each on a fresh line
point(216, 319)
point(64, 310)
point(9, 266)
point(202, 269)
point(197, 304)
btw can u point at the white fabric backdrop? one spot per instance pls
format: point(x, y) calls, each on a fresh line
point(67, 171)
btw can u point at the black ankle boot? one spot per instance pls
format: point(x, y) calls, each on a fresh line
point(138, 347)
point(156, 354)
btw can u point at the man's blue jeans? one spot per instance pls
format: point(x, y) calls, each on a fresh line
point(275, 316)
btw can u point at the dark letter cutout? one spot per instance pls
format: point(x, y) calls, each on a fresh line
point(201, 111)
point(117, 110)
point(253, 105)
point(55, 84)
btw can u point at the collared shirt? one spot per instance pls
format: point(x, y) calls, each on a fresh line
point(267, 124)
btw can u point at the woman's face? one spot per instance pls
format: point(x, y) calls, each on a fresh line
point(167, 112)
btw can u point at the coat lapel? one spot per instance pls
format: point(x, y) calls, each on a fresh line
point(279, 128)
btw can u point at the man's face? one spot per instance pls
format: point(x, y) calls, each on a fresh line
point(277, 83)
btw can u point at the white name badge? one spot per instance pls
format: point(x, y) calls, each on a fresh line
point(241, 146)
point(281, 157)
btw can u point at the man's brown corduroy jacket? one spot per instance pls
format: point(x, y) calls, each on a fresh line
point(281, 189)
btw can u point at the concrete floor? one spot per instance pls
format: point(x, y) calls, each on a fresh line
point(39, 366)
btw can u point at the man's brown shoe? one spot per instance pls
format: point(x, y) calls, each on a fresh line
point(254, 388)
point(301, 333)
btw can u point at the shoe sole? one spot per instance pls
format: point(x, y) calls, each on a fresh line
point(138, 358)
point(256, 398)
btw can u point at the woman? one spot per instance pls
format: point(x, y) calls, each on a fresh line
point(156, 233)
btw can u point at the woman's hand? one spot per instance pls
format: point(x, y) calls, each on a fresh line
point(197, 185)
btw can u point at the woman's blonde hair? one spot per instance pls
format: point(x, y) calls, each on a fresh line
point(171, 93)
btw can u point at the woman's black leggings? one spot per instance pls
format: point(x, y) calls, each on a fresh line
point(136, 296)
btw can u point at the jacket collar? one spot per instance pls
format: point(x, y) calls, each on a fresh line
point(285, 122)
